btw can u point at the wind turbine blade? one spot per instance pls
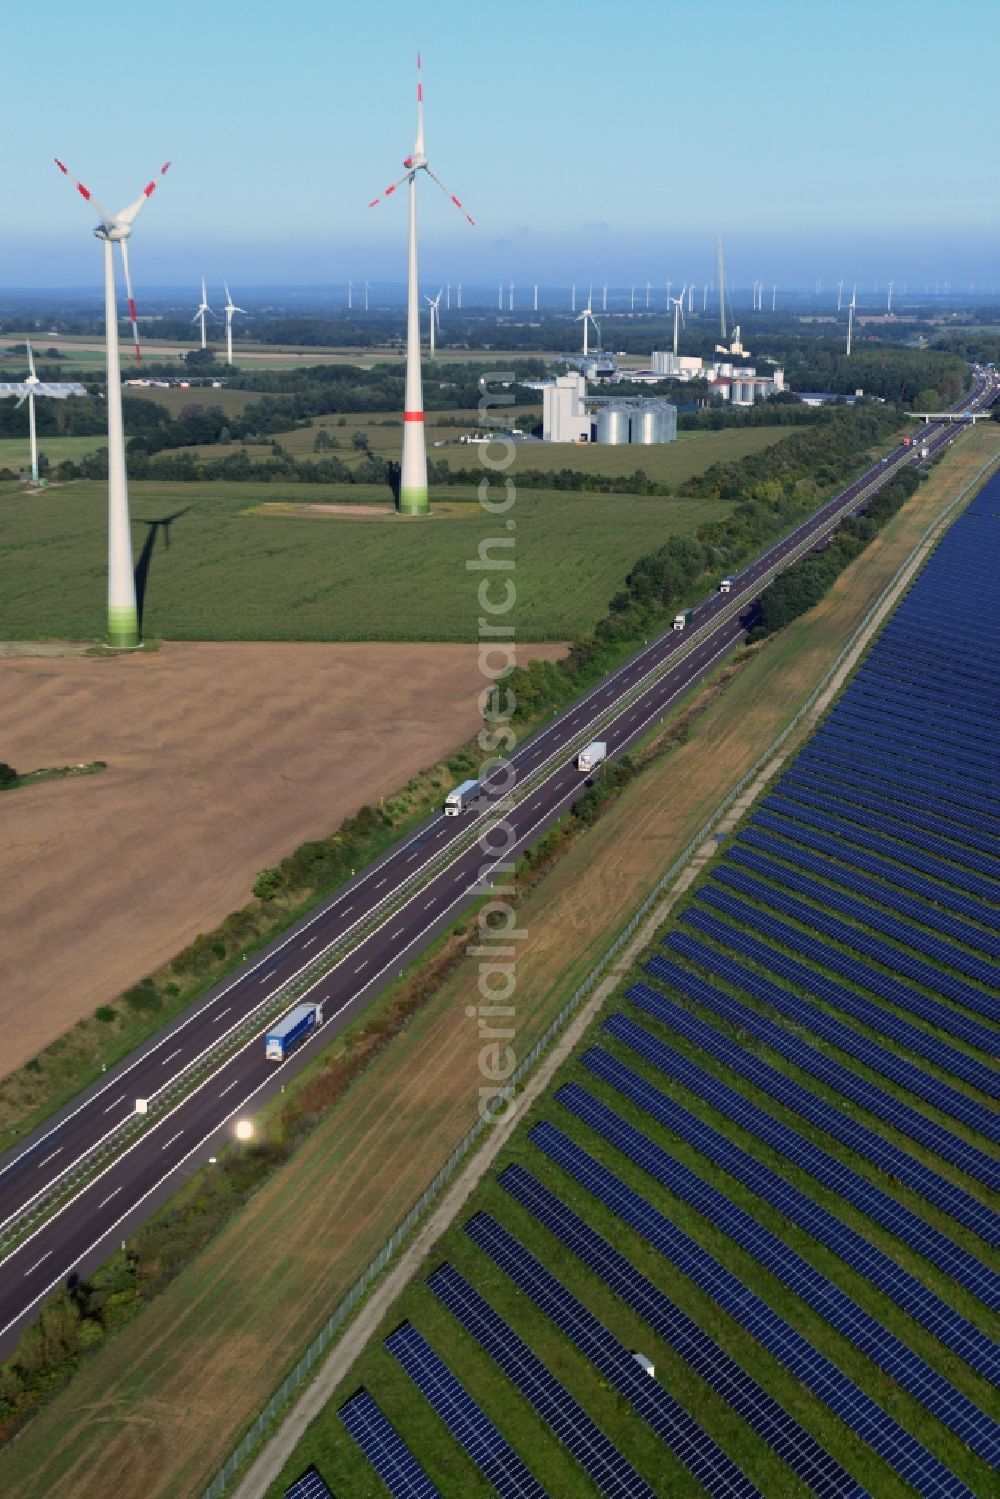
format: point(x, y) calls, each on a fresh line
point(106, 218)
point(389, 191)
point(31, 361)
point(127, 215)
point(131, 301)
point(447, 190)
point(418, 145)
point(229, 295)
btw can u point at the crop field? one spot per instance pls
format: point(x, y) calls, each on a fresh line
point(751, 1162)
point(209, 571)
point(16, 455)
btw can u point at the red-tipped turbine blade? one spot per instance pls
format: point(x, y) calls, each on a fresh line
point(388, 192)
point(448, 192)
point(86, 194)
point(133, 319)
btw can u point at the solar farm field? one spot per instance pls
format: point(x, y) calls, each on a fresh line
point(770, 1169)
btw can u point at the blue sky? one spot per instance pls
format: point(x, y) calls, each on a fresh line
point(591, 141)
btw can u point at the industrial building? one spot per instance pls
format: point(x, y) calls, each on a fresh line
point(565, 417)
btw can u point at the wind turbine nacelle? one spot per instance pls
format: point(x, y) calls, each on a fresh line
point(114, 232)
point(418, 159)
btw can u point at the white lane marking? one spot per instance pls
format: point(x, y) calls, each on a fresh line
point(223, 1012)
point(171, 1057)
point(113, 1105)
point(413, 855)
point(109, 1197)
point(381, 883)
point(429, 904)
point(172, 1139)
point(48, 1158)
point(361, 965)
point(309, 939)
point(229, 1087)
point(38, 1262)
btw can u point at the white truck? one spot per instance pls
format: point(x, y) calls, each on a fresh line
point(459, 800)
point(591, 755)
point(682, 619)
point(925, 451)
point(726, 586)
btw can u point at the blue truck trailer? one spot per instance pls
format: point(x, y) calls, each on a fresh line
point(291, 1028)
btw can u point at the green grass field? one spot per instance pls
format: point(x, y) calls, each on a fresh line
point(15, 453)
point(229, 575)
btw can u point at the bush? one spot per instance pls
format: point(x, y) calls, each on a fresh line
point(267, 884)
point(8, 775)
point(106, 1014)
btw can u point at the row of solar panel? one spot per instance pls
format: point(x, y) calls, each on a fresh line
point(816, 1373)
point(868, 1145)
point(936, 673)
point(956, 779)
point(887, 774)
point(884, 1273)
point(944, 1017)
point(880, 1059)
point(910, 810)
point(891, 1215)
point(842, 1080)
point(907, 741)
point(949, 710)
point(792, 794)
point(840, 895)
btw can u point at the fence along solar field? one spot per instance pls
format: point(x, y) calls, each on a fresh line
point(806, 1079)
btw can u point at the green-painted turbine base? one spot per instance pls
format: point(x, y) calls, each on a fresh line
point(414, 502)
point(123, 629)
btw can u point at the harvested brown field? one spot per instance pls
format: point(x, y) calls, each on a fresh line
point(221, 759)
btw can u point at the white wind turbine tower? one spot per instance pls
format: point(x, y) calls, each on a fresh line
point(840, 293)
point(888, 300)
point(459, 296)
point(586, 317)
point(678, 306)
point(413, 468)
point(850, 318)
point(350, 300)
point(535, 304)
point(434, 303)
point(112, 229)
point(500, 297)
point(648, 290)
point(447, 296)
point(572, 297)
point(774, 298)
point(30, 388)
point(510, 297)
point(229, 309)
point(691, 297)
point(366, 296)
point(604, 297)
point(203, 310)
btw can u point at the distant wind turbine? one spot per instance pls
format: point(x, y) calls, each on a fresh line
point(434, 303)
point(850, 318)
point(30, 388)
point(203, 310)
point(586, 317)
point(678, 306)
point(229, 309)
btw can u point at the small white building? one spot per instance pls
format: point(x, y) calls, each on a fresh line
point(564, 410)
point(676, 366)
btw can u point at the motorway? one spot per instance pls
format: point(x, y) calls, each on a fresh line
point(393, 922)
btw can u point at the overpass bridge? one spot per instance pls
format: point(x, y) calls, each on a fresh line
point(957, 417)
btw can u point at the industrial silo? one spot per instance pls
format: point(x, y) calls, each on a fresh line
point(613, 424)
point(654, 421)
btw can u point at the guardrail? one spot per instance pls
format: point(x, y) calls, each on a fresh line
point(282, 1396)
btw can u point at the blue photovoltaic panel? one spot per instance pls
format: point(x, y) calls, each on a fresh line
point(900, 928)
point(785, 1436)
point(910, 808)
point(893, 1216)
point(943, 1017)
point(468, 1424)
point(816, 1373)
point(866, 750)
point(970, 1069)
point(880, 1058)
point(309, 1486)
point(911, 1173)
point(937, 888)
point(902, 737)
point(717, 1473)
point(611, 1473)
point(792, 798)
point(954, 1331)
point(822, 749)
point(909, 1121)
point(950, 729)
point(878, 690)
point(385, 1449)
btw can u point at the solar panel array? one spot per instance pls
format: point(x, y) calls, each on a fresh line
point(385, 1449)
point(309, 1486)
point(471, 1428)
point(953, 1330)
point(717, 1473)
point(801, 1451)
point(815, 1372)
point(803, 1101)
point(612, 1474)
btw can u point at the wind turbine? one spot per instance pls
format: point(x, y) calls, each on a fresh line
point(434, 303)
point(586, 317)
point(774, 298)
point(30, 388)
point(535, 304)
point(203, 308)
point(112, 229)
point(572, 297)
point(604, 297)
point(691, 297)
point(840, 293)
point(888, 300)
point(229, 309)
point(648, 290)
point(850, 318)
point(413, 469)
point(678, 306)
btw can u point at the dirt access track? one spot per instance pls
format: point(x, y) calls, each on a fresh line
point(222, 758)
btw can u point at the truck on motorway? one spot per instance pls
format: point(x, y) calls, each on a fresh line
point(456, 802)
point(591, 755)
point(925, 451)
point(907, 442)
point(682, 619)
point(726, 586)
point(291, 1028)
